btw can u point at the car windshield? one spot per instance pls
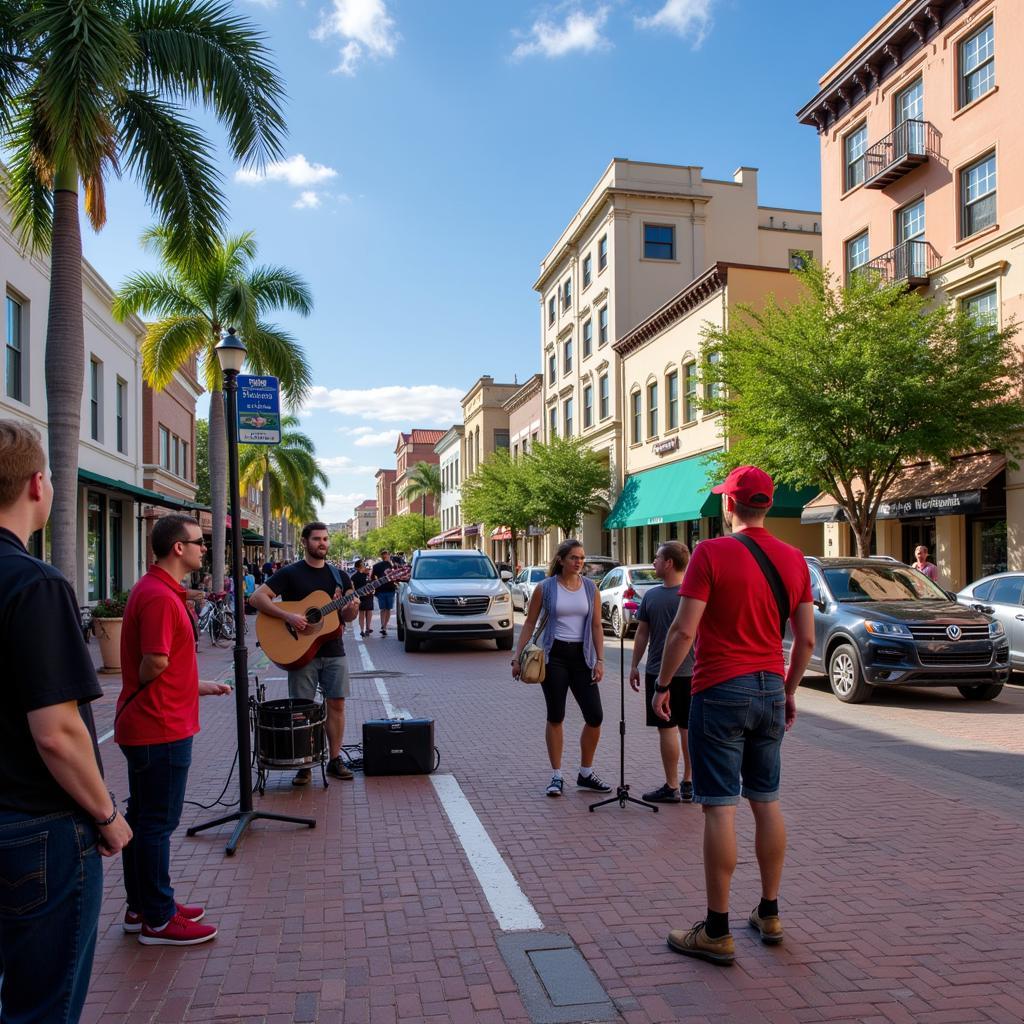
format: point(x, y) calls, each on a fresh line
point(643, 576)
point(881, 583)
point(454, 568)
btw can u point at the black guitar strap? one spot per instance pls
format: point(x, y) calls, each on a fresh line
point(771, 574)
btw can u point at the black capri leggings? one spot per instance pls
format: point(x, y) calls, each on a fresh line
point(567, 670)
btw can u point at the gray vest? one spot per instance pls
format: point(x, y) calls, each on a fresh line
point(549, 604)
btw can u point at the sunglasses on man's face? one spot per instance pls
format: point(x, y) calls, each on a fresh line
point(199, 543)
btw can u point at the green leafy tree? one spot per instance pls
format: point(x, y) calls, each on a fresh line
point(498, 494)
point(566, 481)
point(194, 300)
point(94, 88)
point(203, 462)
point(842, 388)
point(402, 533)
point(341, 547)
point(286, 473)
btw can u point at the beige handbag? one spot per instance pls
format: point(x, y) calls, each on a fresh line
point(531, 661)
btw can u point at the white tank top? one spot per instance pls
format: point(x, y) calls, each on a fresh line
point(571, 609)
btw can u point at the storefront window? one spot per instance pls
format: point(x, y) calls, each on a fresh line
point(988, 548)
point(116, 547)
point(95, 552)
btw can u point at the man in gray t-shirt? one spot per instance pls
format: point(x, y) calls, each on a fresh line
point(657, 610)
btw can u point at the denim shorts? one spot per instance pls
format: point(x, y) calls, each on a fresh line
point(328, 675)
point(735, 738)
point(385, 601)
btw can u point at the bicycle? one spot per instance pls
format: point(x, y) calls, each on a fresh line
point(217, 618)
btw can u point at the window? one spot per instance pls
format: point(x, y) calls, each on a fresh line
point(689, 392)
point(551, 310)
point(978, 196)
point(853, 147)
point(602, 253)
point(588, 337)
point(908, 104)
point(567, 417)
point(983, 308)
point(913, 260)
point(652, 410)
point(567, 356)
point(552, 422)
point(602, 327)
point(95, 380)
point(977, 64)
point(552, 368)
point(910, 221)
point(186, 466)
point(501, 439)
point(120, 392)
point(672, 393)
point(1007, 590)
point(637, 417)
point(567, 293)
point(15, 349)
point(799, 258)
point(712, 389)
point(659, 242)
point(602, 396)
point(588, 269)
point(588, 406)
point(165, 448)
point(176, 451)
point(856, 253)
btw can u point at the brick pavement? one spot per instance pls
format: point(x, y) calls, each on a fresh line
point(900, 896)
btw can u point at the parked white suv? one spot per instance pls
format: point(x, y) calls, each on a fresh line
point(454, 595)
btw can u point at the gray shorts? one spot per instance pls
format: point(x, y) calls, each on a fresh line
point(328, 675)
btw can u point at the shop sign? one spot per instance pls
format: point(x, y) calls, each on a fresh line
point(259, 410)
point(670, 444)
point(955, 504)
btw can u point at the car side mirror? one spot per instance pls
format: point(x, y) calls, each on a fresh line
point(505, 575)
point(985, 609)
point(819, 604)
point(950, 595)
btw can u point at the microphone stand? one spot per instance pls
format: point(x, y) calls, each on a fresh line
point(622, 796)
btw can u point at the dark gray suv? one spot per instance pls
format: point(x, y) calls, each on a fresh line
point(882, 623)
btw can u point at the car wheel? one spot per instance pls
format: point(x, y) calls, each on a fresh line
point(983, 691)
point(618, 627)
point(845, 676)
point(399, 627)
point(412, 643)
point(505, 642)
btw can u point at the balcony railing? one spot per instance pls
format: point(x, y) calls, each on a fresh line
point(907, 146)
point(909, 262)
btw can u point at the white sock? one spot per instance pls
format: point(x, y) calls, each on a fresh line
point(557, 773)
point(585, 772)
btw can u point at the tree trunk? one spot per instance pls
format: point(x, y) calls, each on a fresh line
point(65, 372)
point(218, 456)
point(863, 533)
point(285, 549)
point(514, 548)
point(266, 512)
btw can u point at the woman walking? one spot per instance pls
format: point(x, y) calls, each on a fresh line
point(573, 643)
point(360, 577)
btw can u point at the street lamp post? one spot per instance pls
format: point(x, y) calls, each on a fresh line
point(231, 356)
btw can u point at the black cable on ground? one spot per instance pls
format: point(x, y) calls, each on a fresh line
point(219, 801)
point(353, 756)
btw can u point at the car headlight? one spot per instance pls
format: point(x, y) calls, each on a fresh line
point(418, 598)
point(888, 629)
point(995, 629)
point(502, 598)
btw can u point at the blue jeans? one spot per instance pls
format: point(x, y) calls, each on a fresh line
point(51, 884)
point(157, 775)
point(736, 730)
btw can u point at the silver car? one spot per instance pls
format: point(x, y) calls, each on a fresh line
point(1002, 597)
point(522, 586)
point(622, 589)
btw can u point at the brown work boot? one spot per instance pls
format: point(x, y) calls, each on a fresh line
point(770, 927)
point(696, 943)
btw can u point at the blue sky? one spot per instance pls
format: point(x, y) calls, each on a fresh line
point(438, 147)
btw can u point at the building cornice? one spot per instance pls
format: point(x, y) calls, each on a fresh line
point(529, 390)
point(451, 435)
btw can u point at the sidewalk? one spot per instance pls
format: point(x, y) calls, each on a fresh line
point(901, 896)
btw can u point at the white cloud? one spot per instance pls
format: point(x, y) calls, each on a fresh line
point(355, 431)
point(417, 405)
point(684, 17)
point(377, 438)
point(297, 171)
point(343, 464)
point(579, 32)
point(366, 27)
point(307, 201)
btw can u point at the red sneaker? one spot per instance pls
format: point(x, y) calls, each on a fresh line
point(179, 931)
point(132, 923)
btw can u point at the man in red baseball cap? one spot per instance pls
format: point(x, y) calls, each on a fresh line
point(738, 594)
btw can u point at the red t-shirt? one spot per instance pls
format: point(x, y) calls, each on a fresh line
point(157, 621)
point(739, 632)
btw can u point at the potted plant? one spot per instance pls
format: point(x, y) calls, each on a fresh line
point(107, 616)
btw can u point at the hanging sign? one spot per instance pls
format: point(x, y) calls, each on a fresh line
point(259, 410)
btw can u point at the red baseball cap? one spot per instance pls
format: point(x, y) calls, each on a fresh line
point(748, 485)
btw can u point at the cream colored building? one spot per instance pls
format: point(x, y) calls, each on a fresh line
point(525, 410)
point(644, 232)
point(364, 518)
point(449, 453)
point(666, 438)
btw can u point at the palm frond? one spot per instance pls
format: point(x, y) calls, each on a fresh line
point(279, 288)
point(30, 183)
point(170, 343)
point(154, 294)
point(274, 351)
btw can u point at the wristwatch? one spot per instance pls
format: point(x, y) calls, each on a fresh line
point(660, 689)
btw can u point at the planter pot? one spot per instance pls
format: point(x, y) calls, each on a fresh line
point(108, 632)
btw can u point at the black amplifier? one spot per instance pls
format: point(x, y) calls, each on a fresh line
point(398, 746)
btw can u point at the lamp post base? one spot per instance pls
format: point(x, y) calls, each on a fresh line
point(244, 819)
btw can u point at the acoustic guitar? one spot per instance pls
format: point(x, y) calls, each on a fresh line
point(287, 647)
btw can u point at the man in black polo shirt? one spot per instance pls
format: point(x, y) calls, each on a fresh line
point(56, 816)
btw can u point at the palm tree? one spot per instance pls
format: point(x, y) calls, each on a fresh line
point(93, 87)
point(424, 482)
point(194, 299)
point(287, 473)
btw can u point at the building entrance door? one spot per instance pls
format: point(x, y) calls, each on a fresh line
point(915, 532)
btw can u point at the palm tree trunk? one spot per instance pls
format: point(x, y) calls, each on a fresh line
point(218, 456)
point(266, 512)
point(65, 371)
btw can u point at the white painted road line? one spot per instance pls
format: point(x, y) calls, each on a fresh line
point(390, 711)
point(106, 736)
point(515, 913)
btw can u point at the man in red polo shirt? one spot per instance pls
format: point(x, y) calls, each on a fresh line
point(741, 703)
point(157, 716)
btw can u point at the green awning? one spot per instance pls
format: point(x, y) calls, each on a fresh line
point(252, 537)
point(681, 491)
point(140, 493)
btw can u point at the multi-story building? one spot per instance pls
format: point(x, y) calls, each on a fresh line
point(385, 495)
point(449, 455)
point(644, 232)
point(485, 424)
point(525, 408)
point(416, 446)
point(667, 438)
point(364, 518)
point(921, 181)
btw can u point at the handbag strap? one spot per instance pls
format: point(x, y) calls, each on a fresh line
point(771, 574)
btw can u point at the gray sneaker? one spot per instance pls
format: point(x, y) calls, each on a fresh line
point(554, 786)
point(664, 795)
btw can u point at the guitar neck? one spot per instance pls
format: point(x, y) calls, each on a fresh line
point(340, 602)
